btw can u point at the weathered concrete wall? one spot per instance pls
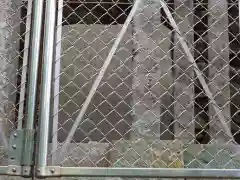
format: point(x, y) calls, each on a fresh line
point(147, 153)
point(84, 49)
point(91, 154)
point(218, 54)
point(184, 126)
point(152, 74)
point(9, 57)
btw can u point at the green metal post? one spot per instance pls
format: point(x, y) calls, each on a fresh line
point(34, 61)
point(49, 31)
point(32, 83)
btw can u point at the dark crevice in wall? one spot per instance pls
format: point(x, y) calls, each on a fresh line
point(92, 12)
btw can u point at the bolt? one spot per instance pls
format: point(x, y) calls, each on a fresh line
point(14, 146)
point(52, 171)
point(14, 170)
point(38, 170)
point(15, 135)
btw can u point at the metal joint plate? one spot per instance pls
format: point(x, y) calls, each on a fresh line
point(16, 148)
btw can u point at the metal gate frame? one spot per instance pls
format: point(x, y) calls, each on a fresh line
point(26, 167)
point(21, 142)
point(52, 171)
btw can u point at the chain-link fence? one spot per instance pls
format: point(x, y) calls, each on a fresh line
point(15, 19)
point(146, 84)
point(136, 84)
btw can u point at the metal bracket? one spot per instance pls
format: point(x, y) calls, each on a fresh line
point(53, 171)
point(27, 154)
point(15, 148)
point(14, 170)
point(21, 147)
point(27, 171)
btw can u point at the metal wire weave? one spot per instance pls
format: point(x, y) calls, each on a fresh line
point(15, 18)
point(170, 95)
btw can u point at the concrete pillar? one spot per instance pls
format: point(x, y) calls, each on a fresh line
point(152, 71)
point(218, 55)
point(184, 127)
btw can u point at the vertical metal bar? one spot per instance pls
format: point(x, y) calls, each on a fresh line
point(45, 101)
point(34, 58)
point(24, 66)
point(56, 81)
point(32, 83)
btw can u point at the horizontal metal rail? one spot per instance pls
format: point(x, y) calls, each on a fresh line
point(13, 170)
point(52, 171)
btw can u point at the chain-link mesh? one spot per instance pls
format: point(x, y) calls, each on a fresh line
point(14, 38)
point(170, 95)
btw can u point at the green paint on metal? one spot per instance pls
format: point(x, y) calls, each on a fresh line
point(141, 172)
point(15, 147)
point(21, 147)
point(27, 155)
point(3, 170)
